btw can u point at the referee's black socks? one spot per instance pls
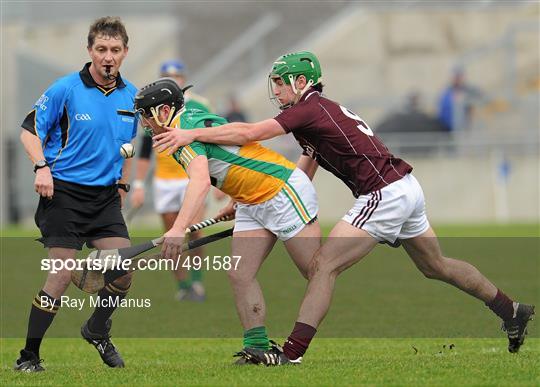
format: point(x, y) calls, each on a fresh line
point(44, 308)
point(110, 297)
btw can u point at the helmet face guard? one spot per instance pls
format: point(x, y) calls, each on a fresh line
point(164, 91)
point(288, 68)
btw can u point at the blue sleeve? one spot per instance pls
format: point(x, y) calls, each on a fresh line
point(47, 111)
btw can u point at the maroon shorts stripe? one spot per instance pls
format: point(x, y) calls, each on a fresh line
point(379, 197)
point(364, 209)
point(368, 209)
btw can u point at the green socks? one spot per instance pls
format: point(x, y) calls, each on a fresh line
point(256, 338)
point(184, 285)
point(196, 275)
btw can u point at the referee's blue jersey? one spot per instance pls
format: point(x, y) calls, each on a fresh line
point(82, 125)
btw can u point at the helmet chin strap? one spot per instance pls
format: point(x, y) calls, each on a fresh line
point(298, 93)
point(170, 118)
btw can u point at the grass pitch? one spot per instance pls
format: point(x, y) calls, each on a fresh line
point(383, 308)
point(330, 362)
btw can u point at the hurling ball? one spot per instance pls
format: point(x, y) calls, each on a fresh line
point(127, 150)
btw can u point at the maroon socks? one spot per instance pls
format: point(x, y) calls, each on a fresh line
point(502, 306)
point(298, 342)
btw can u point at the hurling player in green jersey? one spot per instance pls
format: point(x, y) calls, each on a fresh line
point(169, 185)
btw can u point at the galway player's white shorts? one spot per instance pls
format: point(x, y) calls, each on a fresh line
point(169, 194)
point(395, 211)
point(286, 214)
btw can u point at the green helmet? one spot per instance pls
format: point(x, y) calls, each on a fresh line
point(289, 66)
point(297, 63)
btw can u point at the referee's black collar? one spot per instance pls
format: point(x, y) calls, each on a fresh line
point(87, 79)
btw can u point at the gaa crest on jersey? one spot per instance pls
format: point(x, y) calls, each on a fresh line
point(83, 117)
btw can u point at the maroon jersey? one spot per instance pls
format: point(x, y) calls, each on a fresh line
point(342, 143)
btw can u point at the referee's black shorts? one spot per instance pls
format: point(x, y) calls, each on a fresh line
point(79, 214)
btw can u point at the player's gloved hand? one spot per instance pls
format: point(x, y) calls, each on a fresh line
point(172, 243)
point(229, 211)
point(137, 197)
point(43, 183)
point(172, 139)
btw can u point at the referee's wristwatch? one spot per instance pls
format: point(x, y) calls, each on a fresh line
point(40, 164)
point(124, 186)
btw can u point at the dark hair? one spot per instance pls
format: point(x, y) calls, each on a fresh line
point(110, 26)
point(319, 87)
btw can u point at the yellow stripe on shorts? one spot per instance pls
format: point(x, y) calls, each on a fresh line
point(297, 203)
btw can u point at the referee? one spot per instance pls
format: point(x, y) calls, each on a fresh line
point(73, 135)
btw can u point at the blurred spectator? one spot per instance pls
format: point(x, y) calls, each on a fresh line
point(456, 102)
point(177, 70)
point(411, 118)
point(235, 112)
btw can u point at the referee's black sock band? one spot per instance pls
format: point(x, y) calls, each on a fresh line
point(109, 299)
point(44, 308)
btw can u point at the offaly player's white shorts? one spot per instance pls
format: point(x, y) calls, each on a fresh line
point(286, 214)
point(169, 194)
point(395, 211)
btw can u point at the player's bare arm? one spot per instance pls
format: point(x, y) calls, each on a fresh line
point(308, 165)
point(124, 179)
point(43, 183)
point(137, 195)
point(197, 189)
point(235, 133)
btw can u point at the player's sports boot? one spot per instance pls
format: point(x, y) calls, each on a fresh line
point(28, 362)
point(272, 357)
point(103, 344)
point(242, 359)
point(181, 295)
point(516, 327)
point(197, 292)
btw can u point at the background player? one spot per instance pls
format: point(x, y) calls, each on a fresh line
point(389, 202)
point(72, 135)
point(274, 199)
point(169, 184)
